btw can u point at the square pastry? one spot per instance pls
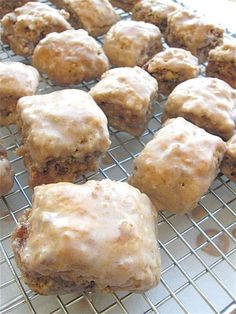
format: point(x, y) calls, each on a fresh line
point(27, 25)
point(95, 16)
point(178, 165)
point(185, 29)
point(171, 67)
point(154, 11)
point(222, 63)
point(16, 80)
point(97, 236)
point(63, 135)
point(126, 95)
point(130, 43)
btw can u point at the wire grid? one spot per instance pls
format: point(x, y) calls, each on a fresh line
point(191, 280)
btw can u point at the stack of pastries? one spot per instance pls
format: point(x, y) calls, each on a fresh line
point(101, 235)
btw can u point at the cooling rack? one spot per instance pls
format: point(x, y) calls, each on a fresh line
point(192, 281)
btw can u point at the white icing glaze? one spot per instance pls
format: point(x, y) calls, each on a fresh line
point(132, 88)
point(208, 102)
point(175, 59)
point(60, 124)
point(17, 79)
point(102, 231)
point(127, 42)
point(177, 167)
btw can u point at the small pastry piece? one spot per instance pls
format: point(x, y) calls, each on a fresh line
point(125, 5)
point(27, 25)
point(16, 80)
point(154, 11)
point(207, 102)
point(98, 236)
point(74, 56)
point(222, 63)
point(95, 16)
point(7, 6)
point(6, 174)
point(191, 32)
point(177, 167)
point(63, 135)
point(171, 67)
point(126, 96)
point(130, 43)
point(228, 166)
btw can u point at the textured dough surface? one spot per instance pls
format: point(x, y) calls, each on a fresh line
point(74, 56)
point(128, 92)
point(27, 25)
point(222, 63)
point(189, 31)
point(228, 166)
point(130, 43)
point(97, 236)
point(61, 124)
point(171, 67)
point(154, 11)
point(177, 167)
point(7, 6)
point(95, 16)
point(209, 103)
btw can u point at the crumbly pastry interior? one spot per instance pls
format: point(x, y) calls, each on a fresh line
point(103, 245)
point(74, 57)
point(6, 173)
point(126, 95)
point(171, 67)
point(130, 43)
point(16, 80)
point(189, 31)
point(222, 63)
point(154, 11)
point(209, 103)
point(177, 167)
point(27, 25)
point(228, 166)
point(61, 130)
point(95, 16)
point(7, 6)
point(126, 5)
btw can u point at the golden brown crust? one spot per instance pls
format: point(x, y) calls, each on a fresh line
point(126, 95)
point(130, 43)
point(103, 245)
point(177, 167)
point(95, 16)
point(222, 63)
point(74, 56)
point(207, 102)
point(172, 67)
point(27, 25)
point(63, 134)
point(189, 31)
point(228, 166)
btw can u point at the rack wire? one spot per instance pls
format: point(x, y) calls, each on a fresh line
point(191, 280)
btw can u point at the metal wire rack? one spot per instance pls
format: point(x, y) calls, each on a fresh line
point(191, 282)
